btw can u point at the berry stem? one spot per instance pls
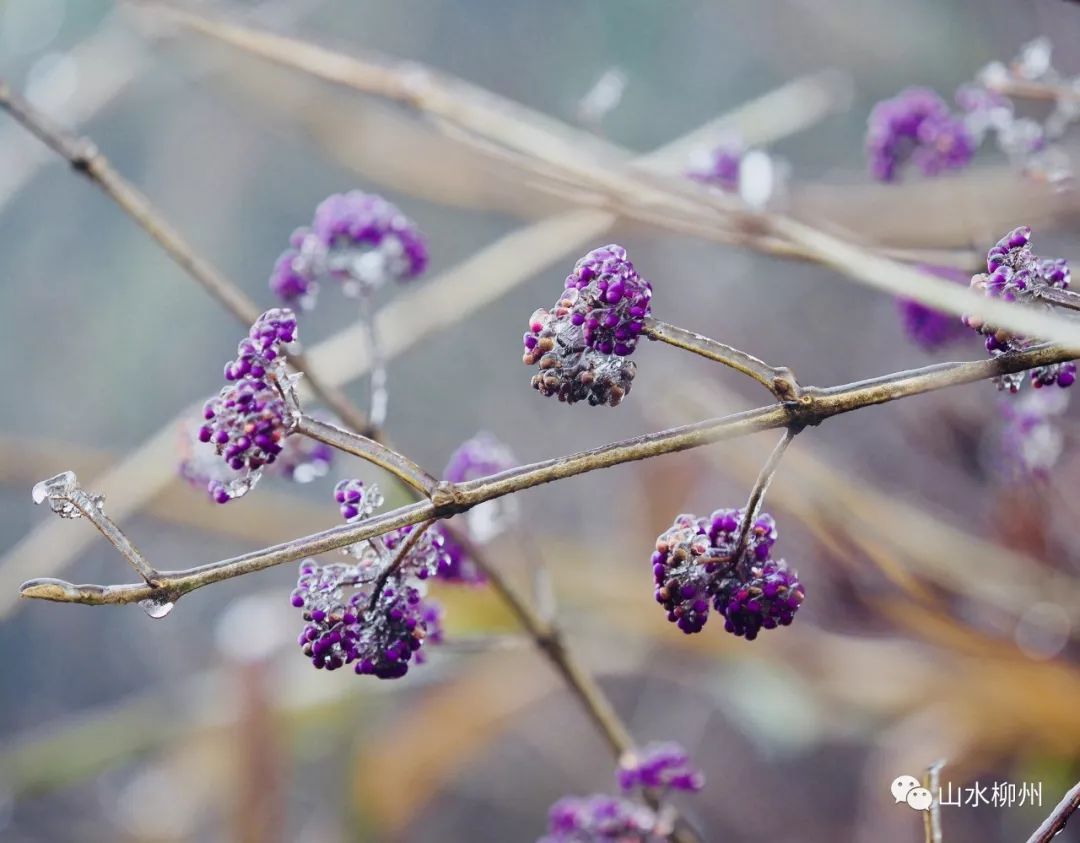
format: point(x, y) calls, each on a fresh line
point(779, 381)
point(85, 158)
point(368, 449)
point(1054, 823)
point(92, 511)
point(379, 395)
point(811, 408)
point(757, 493)
point(395, 563)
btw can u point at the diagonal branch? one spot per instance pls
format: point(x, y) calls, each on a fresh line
point(85, 158)
point(813, 406)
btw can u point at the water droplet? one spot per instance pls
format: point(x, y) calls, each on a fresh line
point(61, 484)
point(156, 607)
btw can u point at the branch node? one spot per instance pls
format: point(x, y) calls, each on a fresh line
point(447, 499)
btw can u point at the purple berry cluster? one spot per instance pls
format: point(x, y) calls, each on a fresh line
point(603, 819)
point(1015, 274)
point(599, 818)
point(659, 766)
point(582, 344)
point(352, 616)
point(379, 635)
point(916, 126)
point(477, 457)
point(694, 565)
point(926, 327)
point(263, 349)
point(358, 239)
point(248, 421)
point(1031, 438)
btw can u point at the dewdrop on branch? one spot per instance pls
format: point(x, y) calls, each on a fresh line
point(58, 491)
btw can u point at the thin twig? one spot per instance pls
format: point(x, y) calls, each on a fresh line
point(932, 817)
point(1054, 823)
point(813, 407)
point(757, 493)
point(85, 158)
point(397, 561)
point(779, 381)
point(64, 488)
point(548, 638)
point(368, 449)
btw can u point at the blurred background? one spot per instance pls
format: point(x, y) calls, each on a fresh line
point(943, 582)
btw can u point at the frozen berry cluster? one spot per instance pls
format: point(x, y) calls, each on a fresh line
point(1015, 274)
point(370, 612)
point(659, 766)
point(581, 345)
point(698, 565)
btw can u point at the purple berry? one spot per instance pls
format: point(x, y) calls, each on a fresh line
point(916, 126)
point(660, 766)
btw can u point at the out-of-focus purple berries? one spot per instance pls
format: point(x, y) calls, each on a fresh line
point(581, 345)
point(659, 766)
point(602, 819)
point(358, 239)
point(695, 565)
point(719, 167)
point(1015, 274)
point(916, 126)
point(477, 457)
point(1031, 440)
point(928, 328)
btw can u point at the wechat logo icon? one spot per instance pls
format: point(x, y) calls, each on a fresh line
point(907, 789)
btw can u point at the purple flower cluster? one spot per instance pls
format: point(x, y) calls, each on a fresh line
point(1015, 274)
point(474, 458)
point(928, 328)
point(694, 565)
point(358, 239)
point(916, 126)
point(659, 766)
point(582, 343)
point(600, 818)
